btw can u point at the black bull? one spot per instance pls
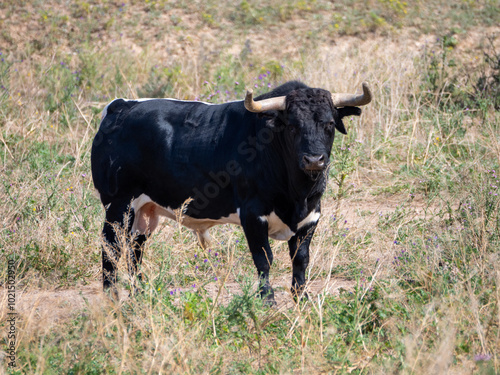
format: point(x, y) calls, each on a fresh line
point(264, 171)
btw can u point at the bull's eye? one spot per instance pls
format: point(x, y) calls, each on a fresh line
point(330, 126)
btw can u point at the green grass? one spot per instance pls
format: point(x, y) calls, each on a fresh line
point(410, 234)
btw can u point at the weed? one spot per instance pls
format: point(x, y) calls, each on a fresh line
point(345, 155)
point(488, 82)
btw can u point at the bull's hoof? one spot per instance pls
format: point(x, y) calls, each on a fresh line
point(269, 301)
point(300, 295)
point(268, 298)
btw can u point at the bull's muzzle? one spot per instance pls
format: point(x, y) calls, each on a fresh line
point(314, 163)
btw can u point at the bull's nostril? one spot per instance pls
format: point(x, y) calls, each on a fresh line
point(314, 162)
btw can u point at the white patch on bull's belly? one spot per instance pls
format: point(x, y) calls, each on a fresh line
point(137, 203)
point(192, 223)
point(277, 229)
point(313, 217)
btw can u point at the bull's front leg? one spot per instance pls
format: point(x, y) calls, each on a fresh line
point(256, 232)
point(299, 253)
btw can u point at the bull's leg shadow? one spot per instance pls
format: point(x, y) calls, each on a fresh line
point(299, 254)
point(256, 232)
point(117, 238)
point(136, 243)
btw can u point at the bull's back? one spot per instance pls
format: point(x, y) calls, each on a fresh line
point(162, 148)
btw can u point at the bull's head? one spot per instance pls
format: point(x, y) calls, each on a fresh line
point(310, 117)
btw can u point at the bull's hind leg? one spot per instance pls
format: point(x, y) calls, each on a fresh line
point(135, 258)
point(114, 233)
point(203, 237)
point(143, 223)
point(123, 230)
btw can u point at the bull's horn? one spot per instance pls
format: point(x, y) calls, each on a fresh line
point(352, 100)
point(273, 104)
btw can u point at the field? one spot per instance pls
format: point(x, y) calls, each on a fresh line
point(405, 264)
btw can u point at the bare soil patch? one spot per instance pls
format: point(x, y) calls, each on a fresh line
point(44, 308)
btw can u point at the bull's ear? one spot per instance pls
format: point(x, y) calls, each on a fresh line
point(349, 111)
point(343, 112)
point(339, 125)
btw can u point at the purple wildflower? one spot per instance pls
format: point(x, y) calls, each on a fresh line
point(482, 357)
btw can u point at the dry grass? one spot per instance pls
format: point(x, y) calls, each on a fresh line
point(404, 269)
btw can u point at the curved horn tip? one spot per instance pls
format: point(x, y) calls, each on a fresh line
point(250, 104)
point(343, 100)
point(249, 97)
point(366, 87)
point(367, 93)
point(271, 104)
